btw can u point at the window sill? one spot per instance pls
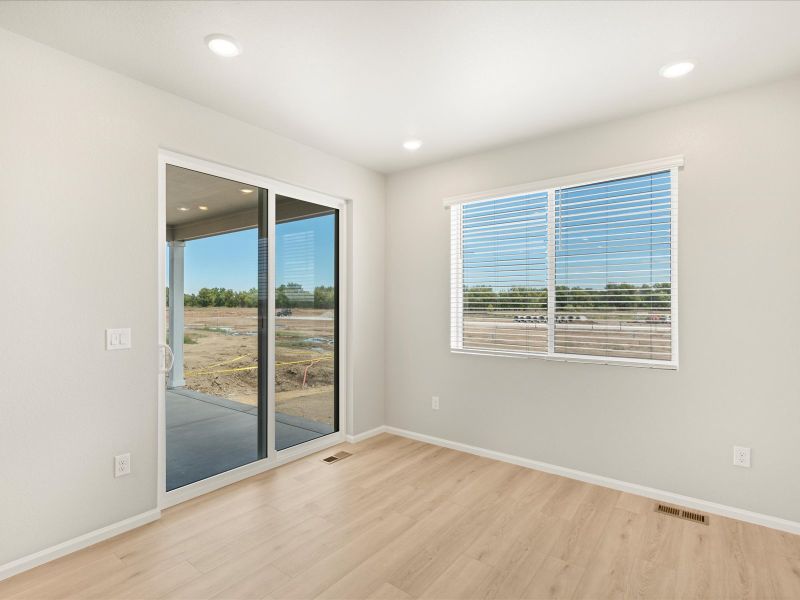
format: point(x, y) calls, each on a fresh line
point(577, 358)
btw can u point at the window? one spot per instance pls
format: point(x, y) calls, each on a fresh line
point(582, 268)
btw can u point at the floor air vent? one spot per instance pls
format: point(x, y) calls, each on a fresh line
point(682, 513)
point(336, 457)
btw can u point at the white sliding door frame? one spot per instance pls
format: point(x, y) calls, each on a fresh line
point(274, 457)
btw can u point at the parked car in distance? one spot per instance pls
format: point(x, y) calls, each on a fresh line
point(568, 318)
point(530, 319)
point(283, 312)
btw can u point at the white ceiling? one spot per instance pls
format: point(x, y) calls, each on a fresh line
point(357, 78)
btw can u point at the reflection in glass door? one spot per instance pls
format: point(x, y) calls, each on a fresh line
point(306, 321)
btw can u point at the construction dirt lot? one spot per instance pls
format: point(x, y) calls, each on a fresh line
point(617, 338)
point(220, 356)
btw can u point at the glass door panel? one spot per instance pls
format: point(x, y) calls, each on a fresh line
point(216, 304)
point(306, 321)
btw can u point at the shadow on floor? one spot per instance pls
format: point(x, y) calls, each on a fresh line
point(208, 435)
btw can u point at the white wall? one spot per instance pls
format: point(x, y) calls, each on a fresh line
point(78, 169)
point(739, 316)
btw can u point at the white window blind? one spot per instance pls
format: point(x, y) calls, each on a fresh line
point(584, 272)
point(503, 273)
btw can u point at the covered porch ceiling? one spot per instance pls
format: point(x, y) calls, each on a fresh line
point(201, 205)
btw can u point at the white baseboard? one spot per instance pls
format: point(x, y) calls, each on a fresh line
point(365, 435)
point(98, 535)
point(616, 484)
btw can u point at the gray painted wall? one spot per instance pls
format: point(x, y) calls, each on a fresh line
point(78, 212)
point(78, 169)
point(739, 315)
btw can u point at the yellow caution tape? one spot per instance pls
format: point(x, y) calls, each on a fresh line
point(295, 362)
point(225, 362)
point(196, 373)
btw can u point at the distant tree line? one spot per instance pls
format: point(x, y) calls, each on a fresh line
point(290, 295)
point(625, 296)
point(221, 297)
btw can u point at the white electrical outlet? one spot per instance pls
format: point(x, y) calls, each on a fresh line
point(741, 456)
point(122, 465)
point(435, 402)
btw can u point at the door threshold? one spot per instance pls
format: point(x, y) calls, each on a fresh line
point(282, 457)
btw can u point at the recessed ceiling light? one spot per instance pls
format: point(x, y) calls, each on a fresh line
point(223, 45)
point(412, 145)
point(676, 69)
point(246, 191)
point(203, 207)
point(183, 209)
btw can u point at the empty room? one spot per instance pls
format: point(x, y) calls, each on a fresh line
point(399, 299)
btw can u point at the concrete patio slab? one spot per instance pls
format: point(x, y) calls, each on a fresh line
point(208, 435)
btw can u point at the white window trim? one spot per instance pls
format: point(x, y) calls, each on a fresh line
point(589, 177)
point(671, 164)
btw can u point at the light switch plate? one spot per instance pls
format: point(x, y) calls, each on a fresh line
point(118, 339)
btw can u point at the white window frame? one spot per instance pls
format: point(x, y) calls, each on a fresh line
point(671, 164)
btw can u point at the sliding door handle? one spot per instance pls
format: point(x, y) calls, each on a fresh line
point(167, 353)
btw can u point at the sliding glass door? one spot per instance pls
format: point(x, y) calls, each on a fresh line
point(220, 324)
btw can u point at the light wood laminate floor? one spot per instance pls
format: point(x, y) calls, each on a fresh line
point(402, 519)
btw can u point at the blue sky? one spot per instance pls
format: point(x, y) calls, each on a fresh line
point(305, 254)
